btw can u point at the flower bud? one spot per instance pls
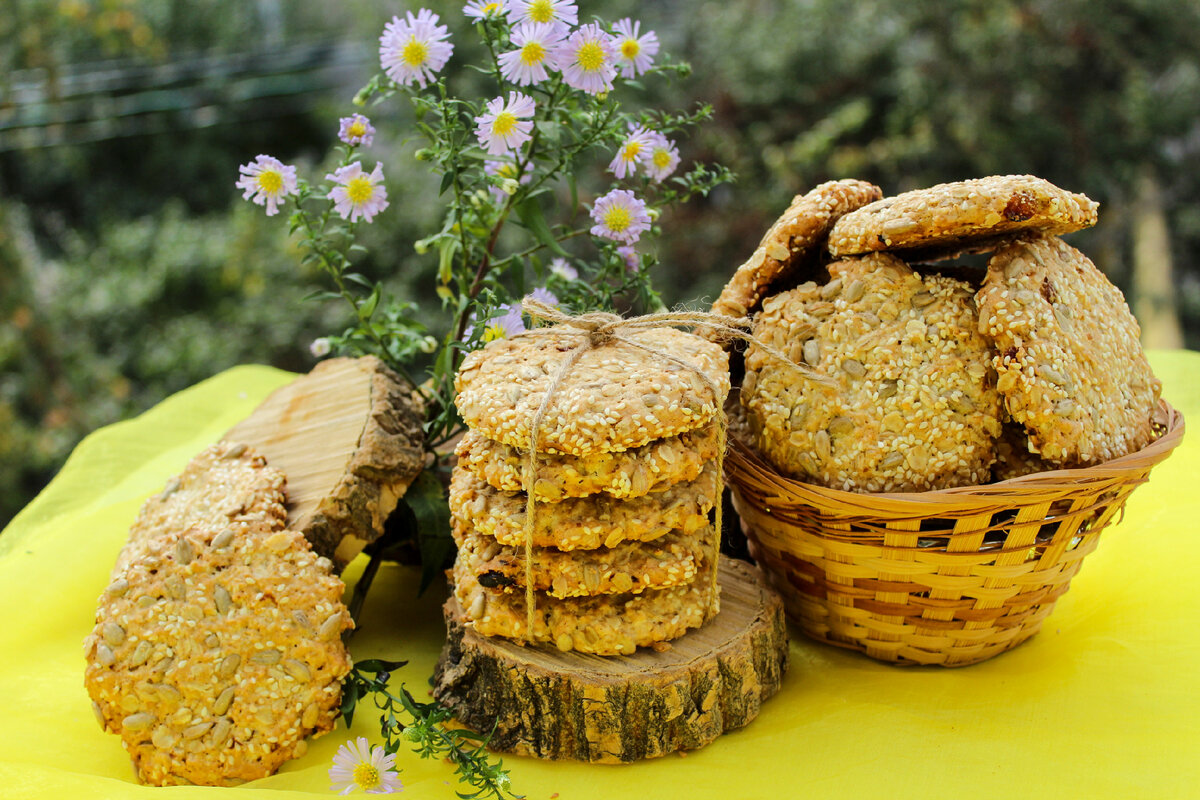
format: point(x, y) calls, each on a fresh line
point(320, 347)
point(424, 154)
point(428, 344)
point(653, 214)
point(509, 186)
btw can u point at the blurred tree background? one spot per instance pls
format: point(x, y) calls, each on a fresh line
point(130, 268)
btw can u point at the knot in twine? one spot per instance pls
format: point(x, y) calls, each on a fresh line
point(599, 329)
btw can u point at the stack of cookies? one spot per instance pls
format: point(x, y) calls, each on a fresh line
point(942, 374)
point(626, 474)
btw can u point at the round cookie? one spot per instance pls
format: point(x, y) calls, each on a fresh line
point(794, 237)
point(971, 215)
point(583, 523)
point(227, 485)
point(615, 397)
point(632, 473)
point(214, 656)
point(605, 625)
point(1068, 354)
point(629, 567)
point(910, 404)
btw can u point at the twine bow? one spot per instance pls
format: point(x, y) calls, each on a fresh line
point(601, 329)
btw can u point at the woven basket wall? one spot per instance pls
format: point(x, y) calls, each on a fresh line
point(949, 577)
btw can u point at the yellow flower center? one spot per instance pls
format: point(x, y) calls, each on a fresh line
point(591, 56)
point(661, 158)
point(415, 52)
point(617, 218)
point(630, 48)
point(541, 11)
point(357, 129)
point(491, 8)
point(270, 181)
point(359, 190)
point(366, 776)
point(507, 170)
point(532, 53)
point(630, 151)
point(504, 123)
point(493, 332)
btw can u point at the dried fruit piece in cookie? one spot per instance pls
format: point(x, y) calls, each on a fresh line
point(793, 239)
point(606, 625)
point(629, 567)
point(1068, 355)
point(215, 656)
point(632, 473)
point(615, 397)
point(228, 485)
point(587, 522)
point(910, 404)
point(957, 215)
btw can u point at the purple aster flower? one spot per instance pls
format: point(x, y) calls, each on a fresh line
point(662, 159)
point(356, 130)
point(356, 194)
point(544, 295)
point(357, 766)
point(486, 9)
point(507, 323)
point(620, 216)
point(560, 11)
point(632, 259)
point(587, 60)
point(505, 126)
point(267, 181)
point(562, 269)
point(633, 151)
point(634, 53)
point(536, 43)
point(412, 49)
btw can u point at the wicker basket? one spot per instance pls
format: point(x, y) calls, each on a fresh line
point(949, 577)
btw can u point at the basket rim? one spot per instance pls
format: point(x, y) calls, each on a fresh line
point(744, 465)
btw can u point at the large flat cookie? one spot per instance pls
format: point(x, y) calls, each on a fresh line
point(215, 655)
point(632, 473)
point(584, 523)
point(606, 625)
point(627, 568)
point(795, 236)
point(616, 396)
point(1069, 359)
point(229, 485)
point(957, 215)
point(910, 404)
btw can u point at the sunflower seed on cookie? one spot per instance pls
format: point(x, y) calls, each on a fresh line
point(227, 487)
point(615, 397)
point(1068, 353)
point(603, 625)
point(215, 664)
point(910, 402)
point(791, 241)
point(958, 215)
point(587, 522)
point(626, 568)
point(632, 473)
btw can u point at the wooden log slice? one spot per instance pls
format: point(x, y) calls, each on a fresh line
point(557, 705)
point(349, 437)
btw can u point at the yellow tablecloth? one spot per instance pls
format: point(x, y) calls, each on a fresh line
point(1104, 702)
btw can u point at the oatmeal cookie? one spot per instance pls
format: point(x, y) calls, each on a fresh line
point(588, 522)
point(632, 473)
point(1068, 355)
point(910, 404)
point(794, 238)
point(605, 625)
point(214, 656)
point(967, 215)
point(627, 568)
point(227, 485)
point(615, 398)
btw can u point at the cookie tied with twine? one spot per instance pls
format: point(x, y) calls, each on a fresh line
point(598, 383)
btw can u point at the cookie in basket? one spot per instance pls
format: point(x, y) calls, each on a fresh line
point(226, 485)
point(629, 567)
point(910, 403)
point(1068, 354)
point(967, 215)
point(604, 625)
point(587, 522)
point(632, 473)
point(795, 237)
point(214, 656)
point(615, 397)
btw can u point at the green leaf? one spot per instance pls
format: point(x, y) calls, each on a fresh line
point(368, 307)
point(447, 182)
point(427, 499)
point(534, 220)
point(378, 665)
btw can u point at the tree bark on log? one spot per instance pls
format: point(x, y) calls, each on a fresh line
point(557, 705)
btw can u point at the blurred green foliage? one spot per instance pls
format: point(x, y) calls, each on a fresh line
point(129, 268)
